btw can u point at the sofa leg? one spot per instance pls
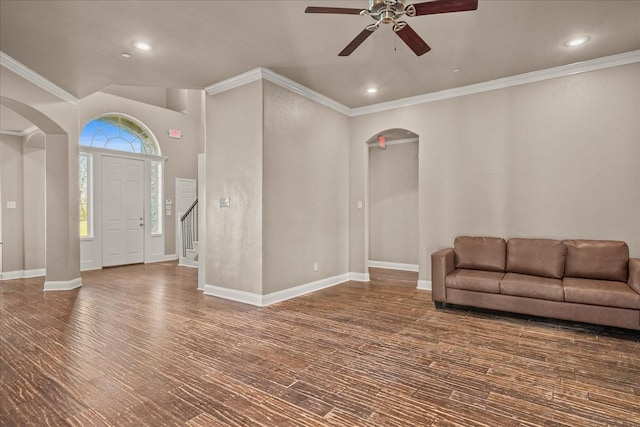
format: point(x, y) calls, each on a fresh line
point(439, 304)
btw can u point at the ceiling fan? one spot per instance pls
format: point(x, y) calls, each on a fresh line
point(388, 12)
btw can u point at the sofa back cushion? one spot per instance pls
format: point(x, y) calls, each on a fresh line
point(480, 253)
point(536, 257)
point(597, 259)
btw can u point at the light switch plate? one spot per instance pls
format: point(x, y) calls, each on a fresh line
point(225, 202)
point(11, 205)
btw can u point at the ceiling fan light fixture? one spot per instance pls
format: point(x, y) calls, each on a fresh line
point(577, 41)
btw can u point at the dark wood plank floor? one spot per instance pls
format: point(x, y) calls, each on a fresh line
point(139, 346)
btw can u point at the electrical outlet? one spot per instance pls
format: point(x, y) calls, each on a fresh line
point(315, 266)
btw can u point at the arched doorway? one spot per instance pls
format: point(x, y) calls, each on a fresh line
point(62, 267)
point(392, 224)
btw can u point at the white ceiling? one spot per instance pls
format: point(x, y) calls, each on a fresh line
point(78, 44)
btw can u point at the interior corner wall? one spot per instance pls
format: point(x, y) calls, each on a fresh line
point(234, 123)
point(11, 168)
point(556, 158)
point(305, 190)
point(393, 203)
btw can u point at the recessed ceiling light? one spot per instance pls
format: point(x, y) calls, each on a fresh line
point(578, 41)
point(125, 55)
point(142, 45)
point(456, 70)
point(372, 90)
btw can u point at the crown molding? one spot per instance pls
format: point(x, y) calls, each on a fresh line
point(520, 79)
point(25, 132)
point(263, 73)
point(31, 76)
point(311, 94)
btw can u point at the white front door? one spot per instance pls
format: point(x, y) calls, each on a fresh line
point(122, 211)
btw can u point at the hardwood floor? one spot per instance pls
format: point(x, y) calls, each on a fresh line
point(139, 346)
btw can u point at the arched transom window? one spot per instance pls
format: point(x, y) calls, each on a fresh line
point(119, 132)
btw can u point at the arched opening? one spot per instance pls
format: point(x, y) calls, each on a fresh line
point(62, 270)
point(121, 192)
point(392, 220)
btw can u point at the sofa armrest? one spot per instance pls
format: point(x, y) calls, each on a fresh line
point(634, 274)
point(442, 263)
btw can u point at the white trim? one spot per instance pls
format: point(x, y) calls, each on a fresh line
point(37, 272)
point(121, 154)
point(307, 288)
point(25, 132)
point(161, 258)
point(424, 285)
point(65, 285)
point(274, 297)
point(187, 262)
point(359, 277)
point(22, 274)
point(233, 295)
point(520, 79)
point(375, 143)
point(311, 94)
point(234, 82)
point(11, 275)
point(263, 73)
point(393, 265)
point(31, 76)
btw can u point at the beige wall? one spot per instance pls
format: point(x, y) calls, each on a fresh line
point(182, 154)
point(11, 168)
point(34, 201)
point(557, 158)
point(393, 203)
point(305, 192)
point(234, 169)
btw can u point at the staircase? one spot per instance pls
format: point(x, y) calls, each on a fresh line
point(188, 236)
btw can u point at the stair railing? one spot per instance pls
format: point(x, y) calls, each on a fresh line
point(189, 227)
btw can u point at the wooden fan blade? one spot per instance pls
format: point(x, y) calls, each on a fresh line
point(413, 40)
point(444, 6)
point(338, 10)
point(356, 42)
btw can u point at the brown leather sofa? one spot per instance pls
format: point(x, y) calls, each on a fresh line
point(591, 281)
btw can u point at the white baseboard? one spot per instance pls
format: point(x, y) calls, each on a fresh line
point(161, 258)
point(274, 297)
point(65, 285)
point(187, 262)
point(233, 295)
point(307, 288)
point(424, 285)
point(22, 274)
point(393, 265)
point(359, 277)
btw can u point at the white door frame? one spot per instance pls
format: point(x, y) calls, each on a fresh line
point(91, 247)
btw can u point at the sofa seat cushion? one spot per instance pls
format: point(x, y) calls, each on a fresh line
point(600, 292)
point(597, 259)
point(523, 285)
point(475, 280)
point(537, 257)
point(480, 253)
